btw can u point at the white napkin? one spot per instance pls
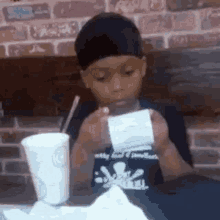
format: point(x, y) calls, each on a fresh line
point(40, 210)
point(15, 214)
point(131, 130)
point(113, 204)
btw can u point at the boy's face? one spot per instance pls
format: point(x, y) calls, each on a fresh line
point(115, 79)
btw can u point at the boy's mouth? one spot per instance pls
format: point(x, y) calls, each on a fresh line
point(122, 106)
point(120, 103)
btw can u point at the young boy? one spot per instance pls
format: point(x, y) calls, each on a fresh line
point(109, 51)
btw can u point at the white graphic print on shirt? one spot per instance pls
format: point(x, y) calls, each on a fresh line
point(120, 176)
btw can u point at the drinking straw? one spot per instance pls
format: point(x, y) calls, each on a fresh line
point(73, 108)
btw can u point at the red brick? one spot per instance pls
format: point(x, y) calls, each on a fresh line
point(6, 137)
point(192, 41)
point(184, 21)
point(39, 122)
point(186, 41)
point(66, 49)
point(44, 110)
point(17, 167)
point(6, 122)
point(54, 30)
point(26, 12)
point(195, 122)
point(212, 39)
point(181, 5)
point(207, 140)
point(150, 24)
point(153, 43)
point(41, 49)
point(208, 3)
point(78, 8)
point(9, 152)
point(14, 137)
point(12, 180)
point(205, 156)
point(136, 6)
point(172, 5)
point(121, 6)
point(210, 18)
point(12, 33)
point(2, 52)
point(2, 19)
point(156, 5)
point(211, 172)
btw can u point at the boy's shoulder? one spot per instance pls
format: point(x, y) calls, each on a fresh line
point(162, 107)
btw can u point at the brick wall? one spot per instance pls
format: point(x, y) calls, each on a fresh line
point(13, 162)
point(44, 28)
point(204, 133)
point(39, 28)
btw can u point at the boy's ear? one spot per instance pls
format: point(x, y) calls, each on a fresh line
point(144, 67)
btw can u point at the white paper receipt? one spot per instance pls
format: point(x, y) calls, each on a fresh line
point(131, 131)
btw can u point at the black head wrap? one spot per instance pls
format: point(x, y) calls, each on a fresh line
point(107, 34)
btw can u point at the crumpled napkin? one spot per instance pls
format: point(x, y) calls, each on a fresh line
point(113, 204)
point(40, 210)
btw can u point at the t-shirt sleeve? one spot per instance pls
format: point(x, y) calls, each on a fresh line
point(177, 132)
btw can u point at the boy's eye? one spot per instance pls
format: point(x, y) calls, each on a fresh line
point(129, 72)
point(101, 79)
point(100, 76)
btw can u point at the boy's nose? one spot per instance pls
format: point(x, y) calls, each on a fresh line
point(117, 84)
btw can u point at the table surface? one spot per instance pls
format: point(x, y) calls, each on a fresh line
point(173, 200)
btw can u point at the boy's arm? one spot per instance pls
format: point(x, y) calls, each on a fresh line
point(81, 174)
point(171, 162)
point(177, 133)
point(172, 165)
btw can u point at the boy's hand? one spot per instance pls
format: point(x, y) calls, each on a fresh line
point(160, 131)
point(94, 134)
point(93, 137)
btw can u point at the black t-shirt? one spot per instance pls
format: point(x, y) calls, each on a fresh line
point(136, 170)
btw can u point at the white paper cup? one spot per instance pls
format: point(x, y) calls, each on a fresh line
point(48, 159)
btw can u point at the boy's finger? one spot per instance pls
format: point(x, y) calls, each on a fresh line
point(79, 157)
point(95, 117)
point(102, 112)
point(104, 118)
